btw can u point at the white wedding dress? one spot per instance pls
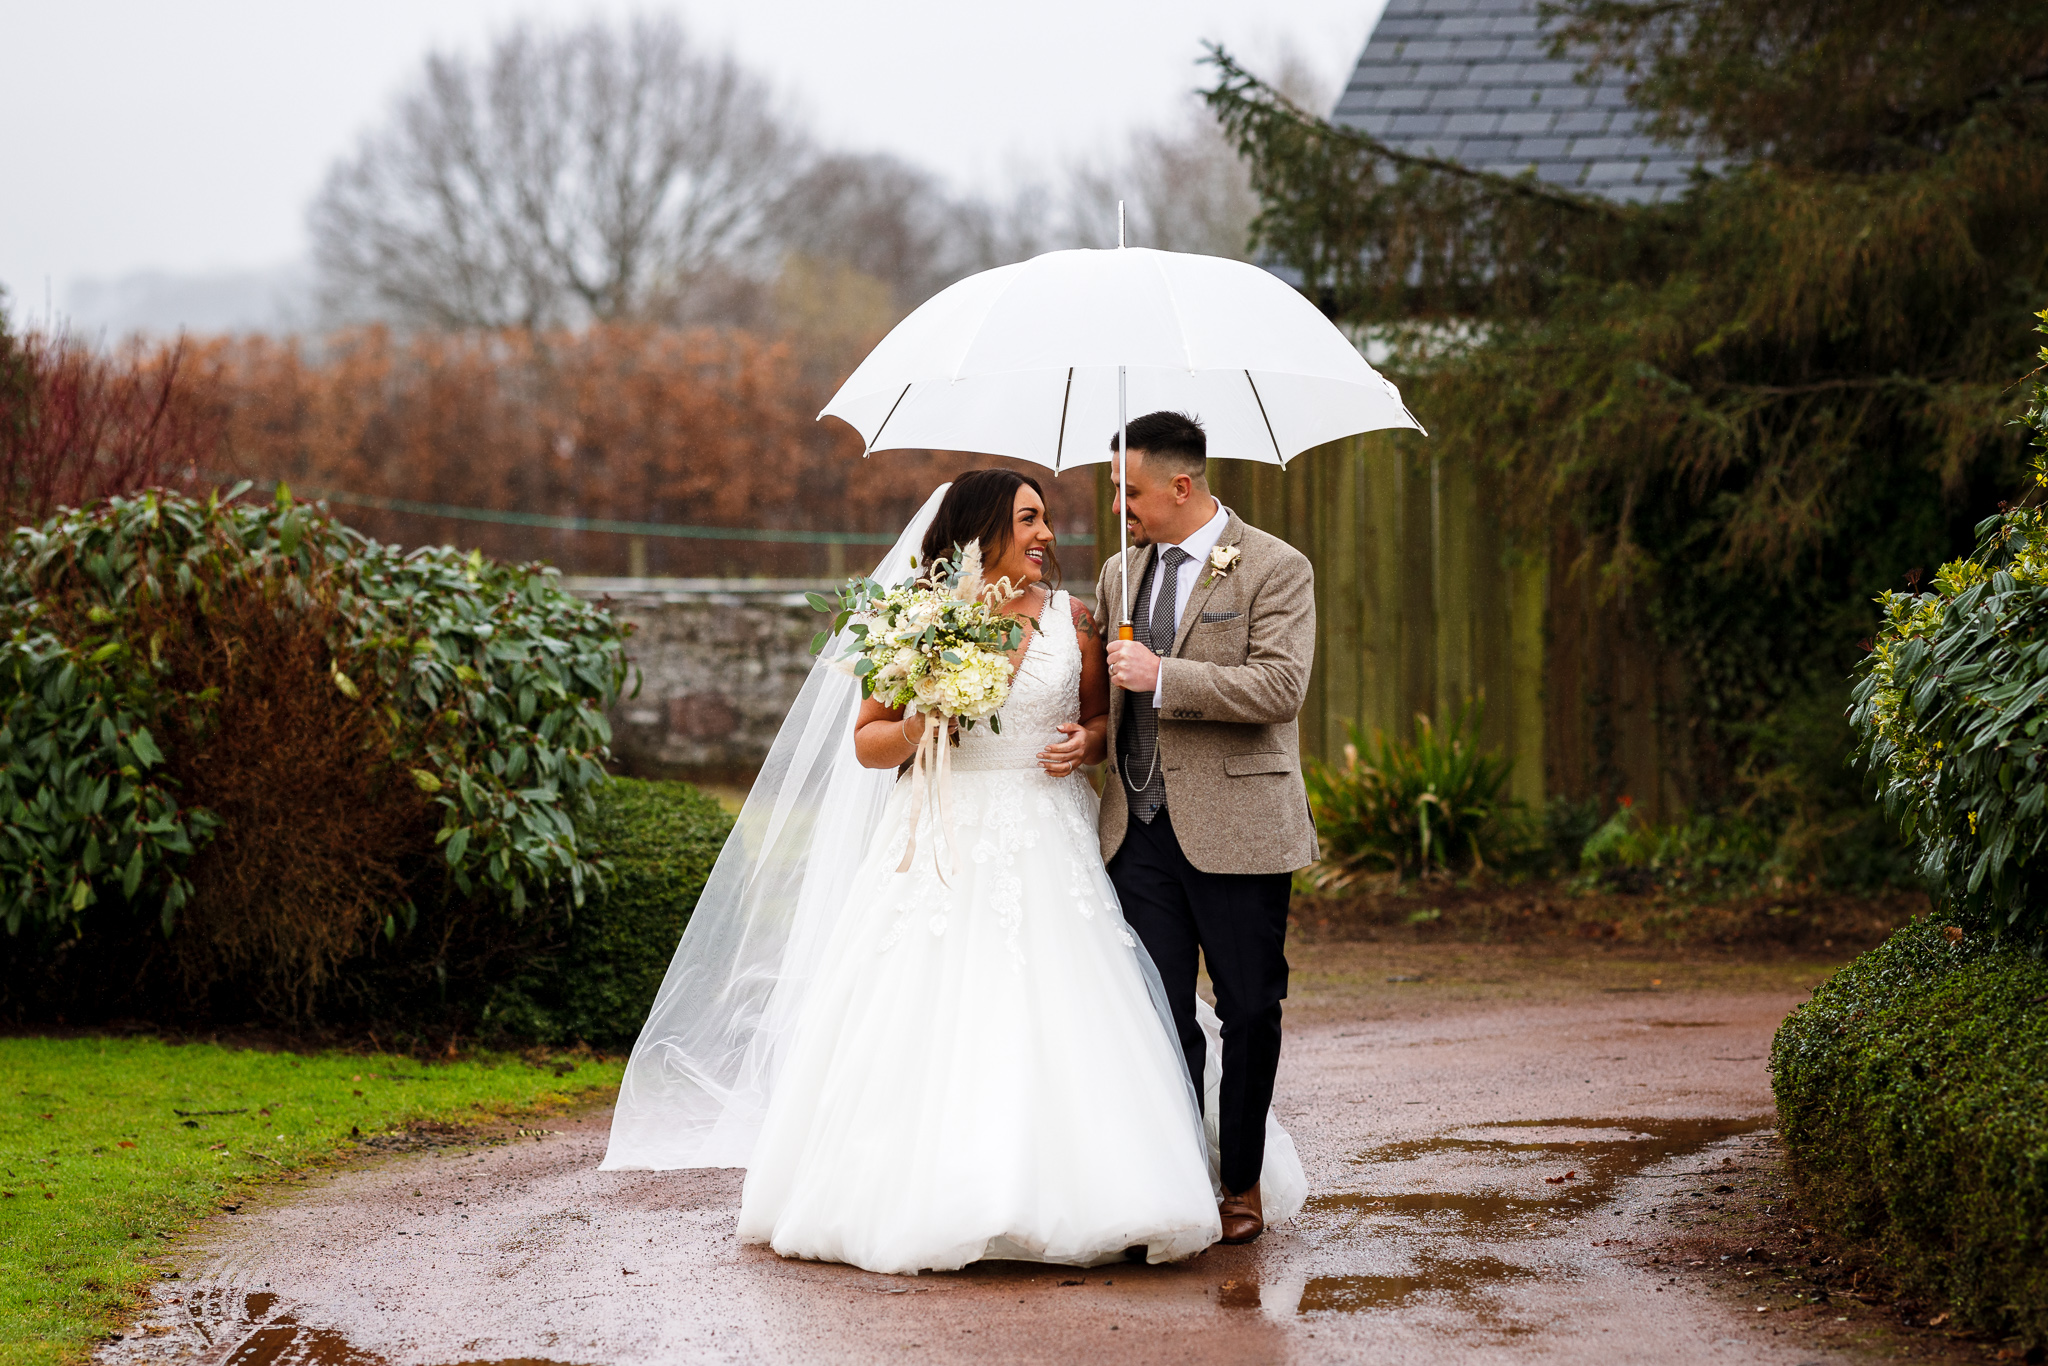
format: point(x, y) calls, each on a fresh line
point(981, 1066)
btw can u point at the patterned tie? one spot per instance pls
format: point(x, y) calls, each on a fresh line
point(1141, 718)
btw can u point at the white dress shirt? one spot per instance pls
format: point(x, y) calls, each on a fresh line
point(1197, 547)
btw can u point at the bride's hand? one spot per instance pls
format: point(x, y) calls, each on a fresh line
point(913, 726)
point(1062, 757)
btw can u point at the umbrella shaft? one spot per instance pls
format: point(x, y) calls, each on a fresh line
point(1123, 490)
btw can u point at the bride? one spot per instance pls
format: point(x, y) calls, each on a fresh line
point(970, 1059)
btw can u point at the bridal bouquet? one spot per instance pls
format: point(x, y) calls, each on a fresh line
point(936, 646)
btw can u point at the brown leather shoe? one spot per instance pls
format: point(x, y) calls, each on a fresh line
point(1243, 1218)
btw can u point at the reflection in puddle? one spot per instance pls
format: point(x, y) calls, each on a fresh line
point(262, 1336)
point(1598, 1154)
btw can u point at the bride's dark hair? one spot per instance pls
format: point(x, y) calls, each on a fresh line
point(981, 506)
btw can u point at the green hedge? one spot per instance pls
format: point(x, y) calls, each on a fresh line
point(1913, 1097)
point(595, 982)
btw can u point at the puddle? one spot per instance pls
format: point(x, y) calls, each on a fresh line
point(1455, 1279)
point(1601, 1164)
point(263, 1336)
point(1447, 1212)
point(1582, 1164)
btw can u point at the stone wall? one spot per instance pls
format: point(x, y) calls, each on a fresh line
point(718, 662)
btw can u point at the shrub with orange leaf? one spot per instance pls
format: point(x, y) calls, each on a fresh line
point(78, 425)
point(621, 422)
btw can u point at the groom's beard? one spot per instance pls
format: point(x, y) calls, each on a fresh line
point(1136, 532)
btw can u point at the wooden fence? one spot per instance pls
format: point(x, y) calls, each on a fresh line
point(1423, 603)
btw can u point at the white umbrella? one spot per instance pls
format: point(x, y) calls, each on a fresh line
point(1042, 360)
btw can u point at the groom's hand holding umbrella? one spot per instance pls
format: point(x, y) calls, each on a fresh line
point(1133, 667)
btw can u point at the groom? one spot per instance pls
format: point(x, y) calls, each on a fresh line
point(1205, 818)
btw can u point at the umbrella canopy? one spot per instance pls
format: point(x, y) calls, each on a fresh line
point(1025, 361)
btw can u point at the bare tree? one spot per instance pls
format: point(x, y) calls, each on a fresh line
point(877, 215)
point(587, 173)
point(1184, 186)
point(898, 224)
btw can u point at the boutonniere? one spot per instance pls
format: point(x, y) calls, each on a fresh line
point(1220, 561)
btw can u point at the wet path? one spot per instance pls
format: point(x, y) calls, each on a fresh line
point(1489, 1176)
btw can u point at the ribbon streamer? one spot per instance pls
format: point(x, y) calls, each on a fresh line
point(932, 767)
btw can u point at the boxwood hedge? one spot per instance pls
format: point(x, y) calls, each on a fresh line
point(1913, 1098)
point(595, 978)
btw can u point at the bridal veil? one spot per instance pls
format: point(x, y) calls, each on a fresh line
point(700, 1076)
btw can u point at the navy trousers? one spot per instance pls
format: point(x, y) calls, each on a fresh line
point(1237, 922)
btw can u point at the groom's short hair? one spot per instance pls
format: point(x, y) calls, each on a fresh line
point(1173, 442)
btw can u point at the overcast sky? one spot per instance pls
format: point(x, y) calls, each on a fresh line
point(187, 137)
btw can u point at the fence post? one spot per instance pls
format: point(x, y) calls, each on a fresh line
point(1529, 598)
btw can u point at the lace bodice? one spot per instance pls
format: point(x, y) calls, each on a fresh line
point(1045, 692)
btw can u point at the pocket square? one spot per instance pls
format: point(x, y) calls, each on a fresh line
point(1208, 617)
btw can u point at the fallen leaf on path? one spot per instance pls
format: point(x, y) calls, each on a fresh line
point(1555, 1180)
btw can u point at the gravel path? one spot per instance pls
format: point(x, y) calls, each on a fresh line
point(1492, 1170)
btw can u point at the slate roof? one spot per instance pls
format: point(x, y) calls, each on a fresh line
point(1472, 81)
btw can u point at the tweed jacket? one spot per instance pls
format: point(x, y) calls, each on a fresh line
point(1229, 741)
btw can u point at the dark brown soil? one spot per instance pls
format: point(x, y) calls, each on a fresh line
point(1746, 1238)
point(1801, 920)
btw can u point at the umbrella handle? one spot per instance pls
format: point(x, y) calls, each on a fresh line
point(1126, 632)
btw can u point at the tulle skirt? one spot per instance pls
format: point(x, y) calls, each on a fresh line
point(982, 1067)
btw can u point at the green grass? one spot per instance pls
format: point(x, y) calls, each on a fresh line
point(96, 1160)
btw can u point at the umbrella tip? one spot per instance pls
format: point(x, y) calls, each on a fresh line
point(1119, 225)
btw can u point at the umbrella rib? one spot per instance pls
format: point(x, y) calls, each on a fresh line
point(1060, 448)
point(899, 403)
point(1180, 326)
point(1268, 421)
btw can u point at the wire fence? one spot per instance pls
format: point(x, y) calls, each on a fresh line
point(638, 559)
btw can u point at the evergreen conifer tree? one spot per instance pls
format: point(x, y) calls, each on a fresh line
point(1758, 406)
